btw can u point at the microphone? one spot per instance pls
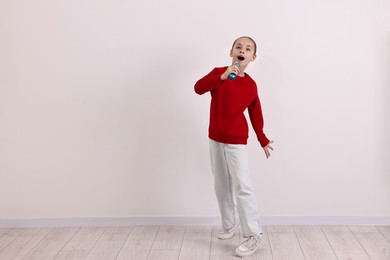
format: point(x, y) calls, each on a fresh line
point(233, 76)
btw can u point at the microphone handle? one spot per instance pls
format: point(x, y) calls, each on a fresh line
point(232, 76)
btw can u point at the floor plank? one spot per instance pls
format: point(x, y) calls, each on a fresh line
point(344, 242)
point(107, 247)
point(118, 230)
point(341, 238)
point(372, 241)
point(51, 244)
point(163, 254)
point(7, 235)
point(20, 247)
point(199, 229)
point(385, 231)
point(84, 239)
point(169, 238)
point(314, 244)
point(36, 231)
point(72, 255)
point(351, 254)
point(138, 244)
point(196, 245)
point(284, 243)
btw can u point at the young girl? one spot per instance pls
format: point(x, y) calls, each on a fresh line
point(232, 92)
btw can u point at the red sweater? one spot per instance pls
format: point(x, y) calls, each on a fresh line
point(229, 100)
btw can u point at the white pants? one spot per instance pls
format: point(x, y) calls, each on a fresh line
point(233, 187)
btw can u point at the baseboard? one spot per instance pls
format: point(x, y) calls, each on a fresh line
point(111, 221)
point(191, 221)
point(326, 220)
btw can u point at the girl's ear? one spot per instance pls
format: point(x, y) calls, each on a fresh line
point(254, 57)
point(231, 53)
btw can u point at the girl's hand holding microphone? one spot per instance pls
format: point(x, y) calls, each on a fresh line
point(233, 69)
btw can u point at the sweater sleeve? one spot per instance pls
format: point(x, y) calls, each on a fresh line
point(208, 82)
point(256, 117)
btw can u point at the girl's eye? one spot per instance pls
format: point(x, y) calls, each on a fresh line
point(248, 49)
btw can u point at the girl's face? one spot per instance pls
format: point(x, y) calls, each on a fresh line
point(243, 51)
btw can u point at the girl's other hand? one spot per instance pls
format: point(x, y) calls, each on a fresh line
point(267, 149)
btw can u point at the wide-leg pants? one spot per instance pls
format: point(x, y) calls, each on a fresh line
point(233, 187)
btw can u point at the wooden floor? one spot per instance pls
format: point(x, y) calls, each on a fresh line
point(197, 243)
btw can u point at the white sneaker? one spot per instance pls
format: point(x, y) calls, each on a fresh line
point(249, 246)
point(226, 234)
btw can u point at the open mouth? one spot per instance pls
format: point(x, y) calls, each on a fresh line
point(240, 58)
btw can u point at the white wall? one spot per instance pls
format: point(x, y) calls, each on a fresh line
point(98, 117)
